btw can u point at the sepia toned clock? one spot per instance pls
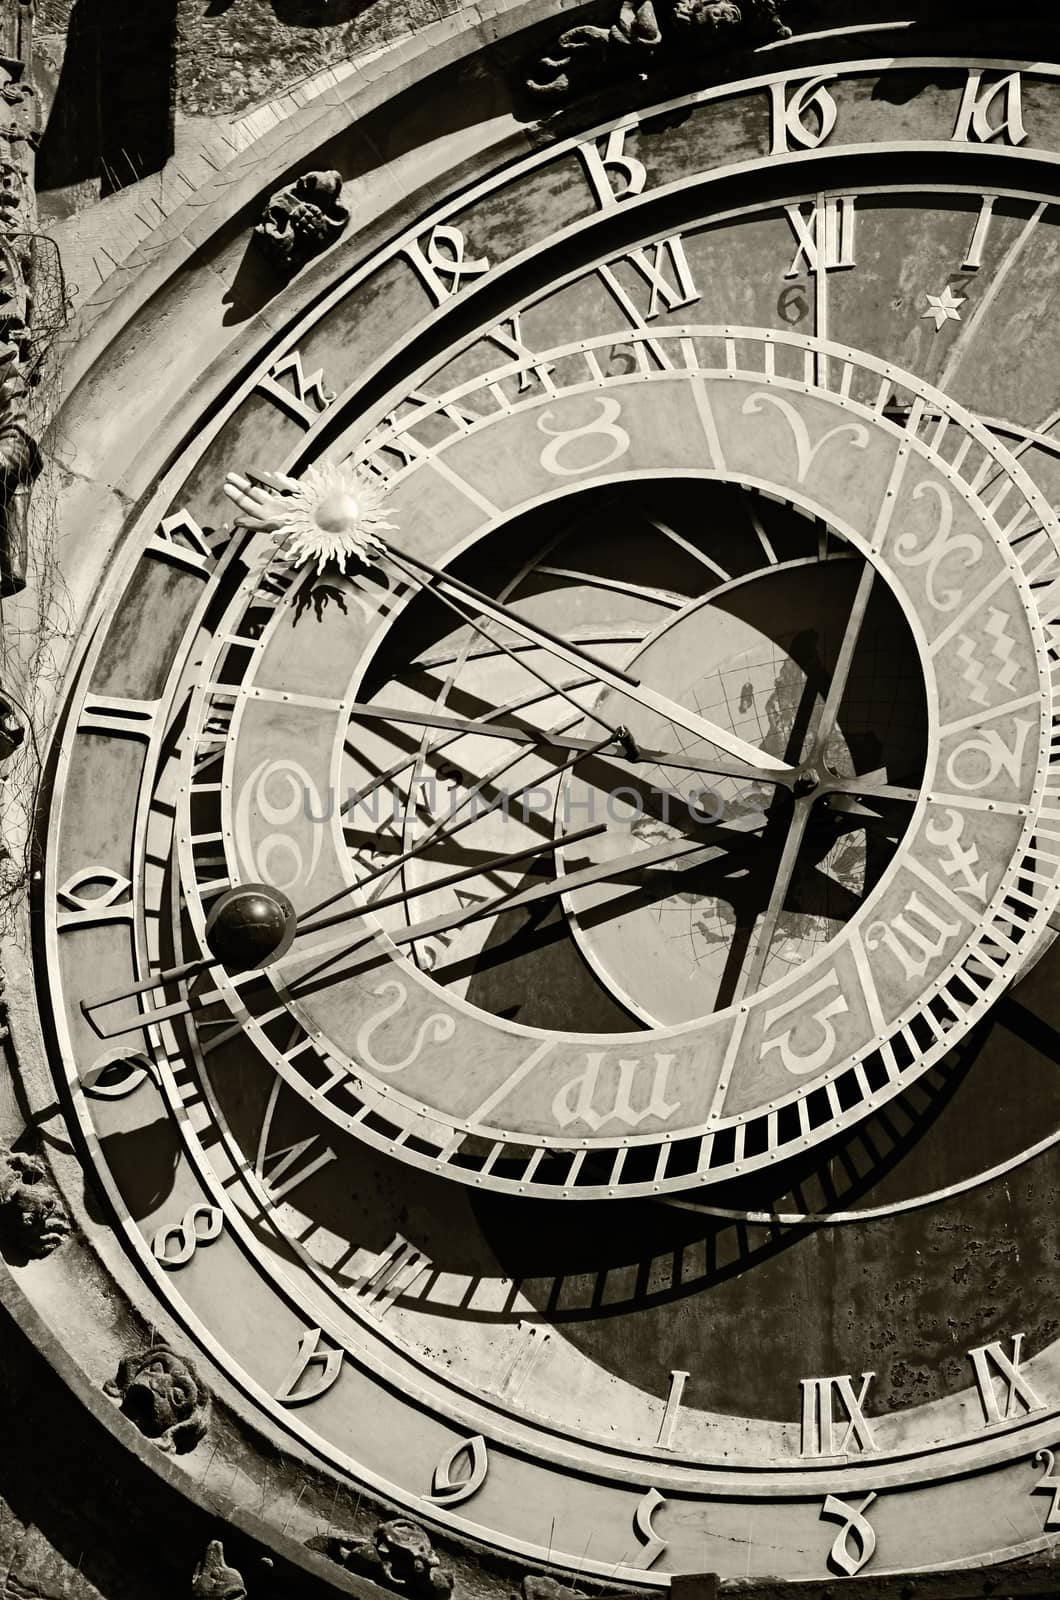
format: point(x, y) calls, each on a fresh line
point(544, 933)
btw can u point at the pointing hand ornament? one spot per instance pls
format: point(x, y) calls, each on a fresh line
point(331, 513)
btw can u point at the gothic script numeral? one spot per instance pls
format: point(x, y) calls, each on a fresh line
point(789, 115)
point(85, 910)
point(201, 1224)
point(311, 1353)
point(855, 1526)
point(450, 1490)
point(181, 541)
point(993, 111)
point(1048, 1483)
point(654, 1544)
point(303, 398)
point(118, 1072)
point(443, 263)
point(600, 162)
point(112, 715)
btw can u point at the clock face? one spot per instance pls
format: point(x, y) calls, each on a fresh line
point(656, 815)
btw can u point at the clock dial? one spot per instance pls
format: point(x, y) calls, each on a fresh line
point(725, 1074)
point(576, 970)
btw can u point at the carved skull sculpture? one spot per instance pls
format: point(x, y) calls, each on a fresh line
point(302, 219)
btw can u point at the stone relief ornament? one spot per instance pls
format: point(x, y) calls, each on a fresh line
point(647, 33)
point(214, 1580)
point(20, 458)
point(539, 1586)
point(163, 1394)
point(399, 1554)
point(32, 1216)
point(302, 219)
point(12, 729)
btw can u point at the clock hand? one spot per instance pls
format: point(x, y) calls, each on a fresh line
point(845, 659)
point(498, 863)
point(190, 969)
point(751, 975)
point(361, 711)
point(437, 582)
point(258, 506)
point(392, 867)
point(687, 853)
point(865, 786)
point(474, 725)
point(472, 621)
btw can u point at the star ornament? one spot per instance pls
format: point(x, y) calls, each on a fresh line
point(330, 514)
point(943, 307)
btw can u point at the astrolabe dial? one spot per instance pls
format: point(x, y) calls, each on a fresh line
point(467, 982)
point(474, 819)
point(757, 655)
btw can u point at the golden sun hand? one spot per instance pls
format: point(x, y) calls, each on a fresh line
point(328, 515)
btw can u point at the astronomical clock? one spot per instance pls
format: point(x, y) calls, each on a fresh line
point(543, 1023)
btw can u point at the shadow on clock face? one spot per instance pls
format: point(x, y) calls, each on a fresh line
point(749, 1307)
point(724, 1286)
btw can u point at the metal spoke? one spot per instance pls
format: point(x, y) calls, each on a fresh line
point(434, 581)
point(469, 618)
point(751, 975)
point(694, 852)
point(514, 733)
point(845, 659)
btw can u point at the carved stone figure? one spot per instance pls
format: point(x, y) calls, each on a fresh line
point(12, 730)
point(399, 1553)
point(302, 219)
point(163, 1394)
point(213, 1580)
point(539, 1586)
point(20, 459)
point(587, 54)
point(646, 33)
point(32, 1216)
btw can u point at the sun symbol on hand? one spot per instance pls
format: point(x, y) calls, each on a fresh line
point(327, 515)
